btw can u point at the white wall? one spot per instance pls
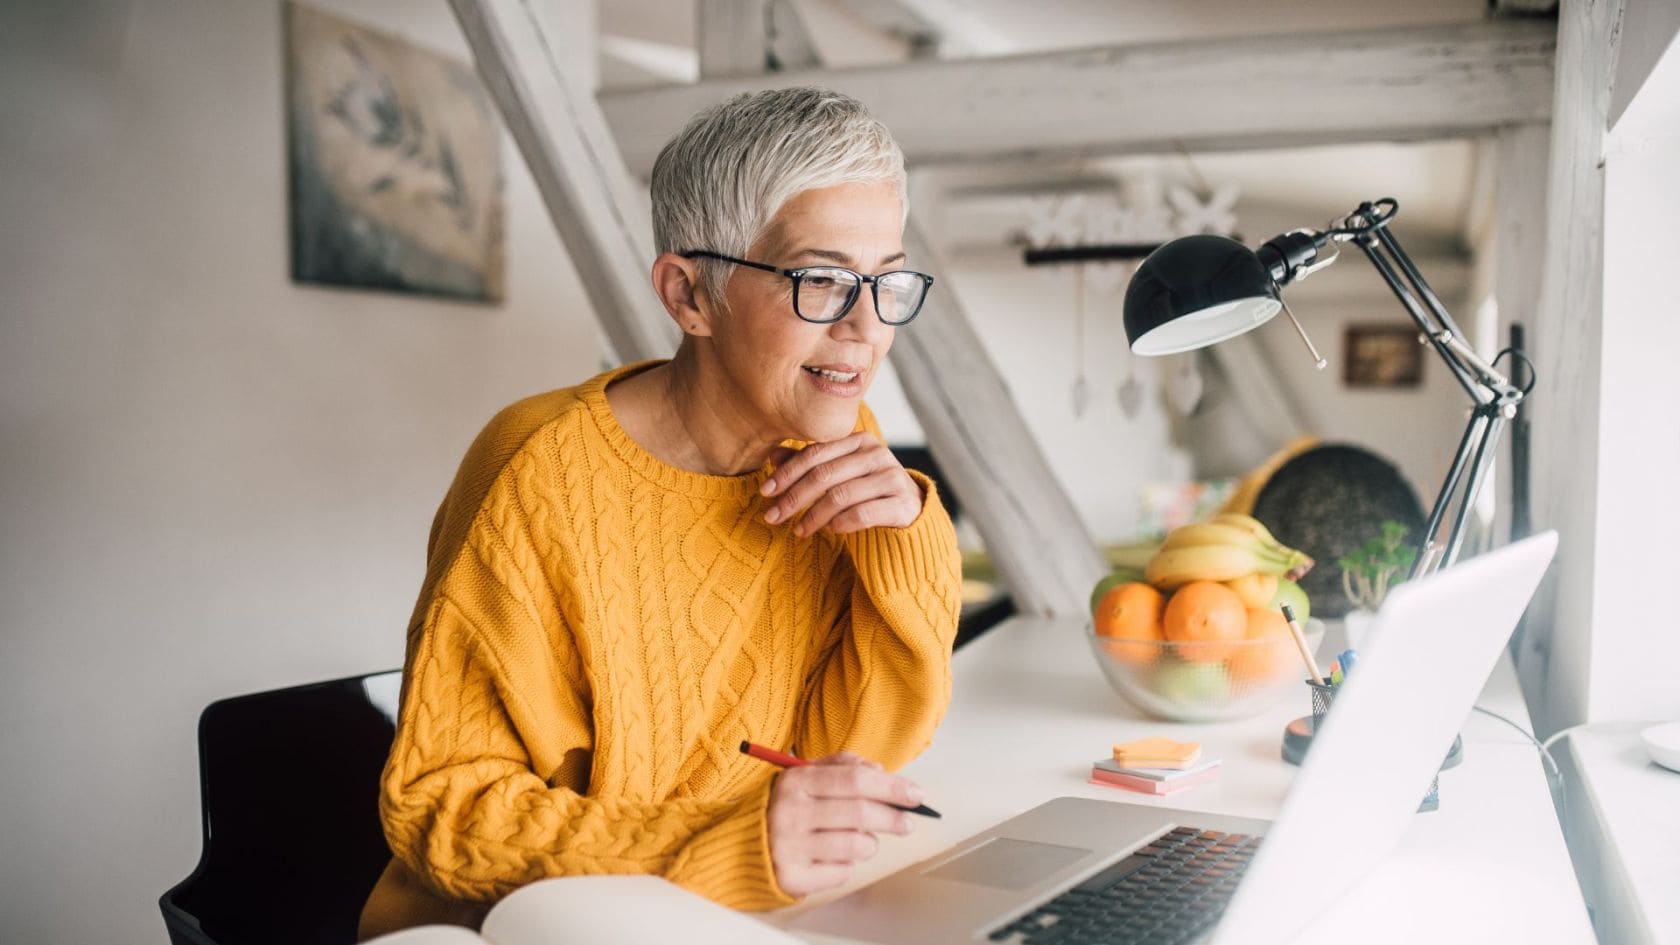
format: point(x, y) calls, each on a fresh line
point(214, 481)
point(1635, 643)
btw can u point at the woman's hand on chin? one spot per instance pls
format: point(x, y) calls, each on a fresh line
point(824, 817)
point(845, 486)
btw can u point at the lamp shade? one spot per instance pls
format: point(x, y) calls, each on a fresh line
point(1196, 291)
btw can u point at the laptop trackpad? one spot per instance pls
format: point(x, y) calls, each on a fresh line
point(1008, 864)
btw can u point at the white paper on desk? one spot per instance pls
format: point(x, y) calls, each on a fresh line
point(610, 910)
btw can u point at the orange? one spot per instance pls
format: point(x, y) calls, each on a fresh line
point(1256, 590)
point(1131, 611)
point(1269, 651)
point(1205, 617)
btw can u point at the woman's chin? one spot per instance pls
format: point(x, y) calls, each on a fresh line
point(834, 423)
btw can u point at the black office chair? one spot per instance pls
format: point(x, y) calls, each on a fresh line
point(292, 843)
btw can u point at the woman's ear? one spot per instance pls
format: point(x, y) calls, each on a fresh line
point(677, 282)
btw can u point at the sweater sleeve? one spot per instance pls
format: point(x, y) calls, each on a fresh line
point(462, 801)
point(883, 681)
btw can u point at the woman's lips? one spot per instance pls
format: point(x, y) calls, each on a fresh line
point(839, 373)
point(825, 380)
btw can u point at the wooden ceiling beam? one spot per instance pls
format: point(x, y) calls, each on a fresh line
point(1217, 94)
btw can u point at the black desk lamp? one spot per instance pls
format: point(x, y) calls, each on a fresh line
point(1200, 290)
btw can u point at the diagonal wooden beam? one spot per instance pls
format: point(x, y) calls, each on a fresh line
point(1217, 94)
point(590, 197)
point(1043, 552)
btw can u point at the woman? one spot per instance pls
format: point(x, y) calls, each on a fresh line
point(630, 577)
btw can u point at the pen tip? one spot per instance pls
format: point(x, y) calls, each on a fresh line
point(746, 746)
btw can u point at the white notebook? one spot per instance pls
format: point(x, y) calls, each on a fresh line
point(601, 910)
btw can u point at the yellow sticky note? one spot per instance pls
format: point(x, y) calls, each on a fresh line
point(1157, 753)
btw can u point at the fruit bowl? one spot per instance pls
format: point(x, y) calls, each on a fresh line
point(1204, 681)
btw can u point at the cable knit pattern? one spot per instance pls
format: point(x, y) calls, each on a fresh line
point(596, 634)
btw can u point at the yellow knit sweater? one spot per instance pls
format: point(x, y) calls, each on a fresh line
point(596, 634)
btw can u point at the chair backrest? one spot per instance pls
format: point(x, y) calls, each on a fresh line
point(292, 842)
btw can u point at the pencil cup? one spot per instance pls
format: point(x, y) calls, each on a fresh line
point(1323, 696)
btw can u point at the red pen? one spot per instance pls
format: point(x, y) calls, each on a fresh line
point(783, 760)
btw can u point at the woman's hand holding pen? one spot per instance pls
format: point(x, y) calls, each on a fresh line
point(824, 817)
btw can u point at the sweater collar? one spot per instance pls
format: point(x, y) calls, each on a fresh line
point(742, 488)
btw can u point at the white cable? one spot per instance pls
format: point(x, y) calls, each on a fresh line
point(1559, 800)
point(1559, 734)
point(1544, 753)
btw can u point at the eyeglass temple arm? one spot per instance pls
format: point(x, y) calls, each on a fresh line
point(690, 254)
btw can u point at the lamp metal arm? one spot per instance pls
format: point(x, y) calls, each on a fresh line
point(1298, 253)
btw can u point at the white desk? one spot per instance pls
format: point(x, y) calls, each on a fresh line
point(1624, 811)
point(1030, 711)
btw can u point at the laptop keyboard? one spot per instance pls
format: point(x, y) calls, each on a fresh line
point(1167, 893)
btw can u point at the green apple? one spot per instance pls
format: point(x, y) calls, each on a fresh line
point(1290, 593)
point(1119, 577)
point(1192, 683)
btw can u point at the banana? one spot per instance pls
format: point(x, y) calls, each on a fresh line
point(1219, 533)
point(1224, 548)
point(1247, 523)
point(1300, 564)
point(1176, 567)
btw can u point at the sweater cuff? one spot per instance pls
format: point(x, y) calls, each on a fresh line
point(909, 558)
point(731, 861)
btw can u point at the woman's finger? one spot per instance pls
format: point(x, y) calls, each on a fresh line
point(844, 495)
point(819, 480)
point(816, 877)
point(857, 813)
point(891, 511)
point(841, 846)
point(849, 505)
point(847, 782)
point(797, 465)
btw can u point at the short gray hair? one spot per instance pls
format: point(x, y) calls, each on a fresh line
point(719, 182)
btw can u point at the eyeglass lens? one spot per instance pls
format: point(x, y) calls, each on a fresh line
point(826, 294)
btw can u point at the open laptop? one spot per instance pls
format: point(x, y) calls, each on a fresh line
point(1076, 870)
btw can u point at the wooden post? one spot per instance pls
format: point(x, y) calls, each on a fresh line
point(1519, 156)
point(1554, 660)
point(577, 167)
point(1043, 552)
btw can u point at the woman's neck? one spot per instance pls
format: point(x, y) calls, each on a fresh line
point(686, 416)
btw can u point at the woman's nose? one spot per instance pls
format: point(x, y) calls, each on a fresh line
point(864, 320)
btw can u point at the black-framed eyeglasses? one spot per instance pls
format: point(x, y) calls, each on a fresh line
point(824, 294)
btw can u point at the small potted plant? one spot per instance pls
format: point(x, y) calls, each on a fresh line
point(1370, 572)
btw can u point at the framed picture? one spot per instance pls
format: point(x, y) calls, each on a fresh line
point(1382, 356)
point(395, 164)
